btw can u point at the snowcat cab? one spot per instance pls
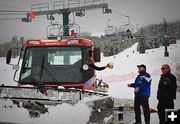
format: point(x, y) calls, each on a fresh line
point(58, 63)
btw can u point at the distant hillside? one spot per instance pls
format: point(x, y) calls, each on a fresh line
point(152, 36)
point(112, 45)
point(109, 45)
point(148, 37)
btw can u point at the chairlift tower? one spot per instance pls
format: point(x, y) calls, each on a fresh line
point(74, 6)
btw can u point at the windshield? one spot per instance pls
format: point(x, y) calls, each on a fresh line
point(52, 65)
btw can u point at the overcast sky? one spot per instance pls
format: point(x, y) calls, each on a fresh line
point(141, 12)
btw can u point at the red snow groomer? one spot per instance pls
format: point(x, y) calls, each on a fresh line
point(55, 72)
point(59, 63)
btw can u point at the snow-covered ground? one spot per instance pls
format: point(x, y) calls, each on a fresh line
point(125, 68)
point(124, 72)
point(57, 114)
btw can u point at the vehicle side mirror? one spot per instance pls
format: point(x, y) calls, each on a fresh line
point(8, 57)
point(97, 54)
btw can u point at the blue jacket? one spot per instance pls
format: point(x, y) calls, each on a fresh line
point(143, 81)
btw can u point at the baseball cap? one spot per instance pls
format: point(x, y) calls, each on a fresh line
point(142, 65)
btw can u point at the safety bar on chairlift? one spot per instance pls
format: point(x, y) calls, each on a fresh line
point(40, 7)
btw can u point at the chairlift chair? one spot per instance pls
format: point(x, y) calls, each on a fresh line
point(111, 31)
point(75, 27)
point(126, 30)
point(54, 30)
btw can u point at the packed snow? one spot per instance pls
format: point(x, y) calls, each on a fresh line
point(124, 72)
point(62, 114)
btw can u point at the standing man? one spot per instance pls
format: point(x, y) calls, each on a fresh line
point(166, 92)
point(142, 93)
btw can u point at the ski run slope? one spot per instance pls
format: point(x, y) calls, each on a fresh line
point(124, 72)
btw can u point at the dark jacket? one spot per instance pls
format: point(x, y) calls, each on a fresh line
point(143, 81)
point(167, 87)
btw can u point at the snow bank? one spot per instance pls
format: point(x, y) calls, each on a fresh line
point(67, 114)
point(62, 114)
point(10, 113)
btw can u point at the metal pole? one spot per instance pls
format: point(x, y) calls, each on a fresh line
point(128, 19)
point(66, 23)
point(109, 21)
point(166, 53)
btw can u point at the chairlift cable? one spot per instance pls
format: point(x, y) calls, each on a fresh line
point(97, 16)
point(13, 11)
point(10, 6)
point(137, 20)
point(6, 14)
point(9, 19)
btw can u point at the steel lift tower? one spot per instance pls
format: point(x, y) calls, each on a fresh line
point(65, 8)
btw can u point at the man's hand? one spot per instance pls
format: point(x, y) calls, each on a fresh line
point(129, 85)
point(136, 89)
point(109, 65)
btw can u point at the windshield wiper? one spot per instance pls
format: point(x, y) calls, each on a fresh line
point(42, 88)
point(48, 72)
